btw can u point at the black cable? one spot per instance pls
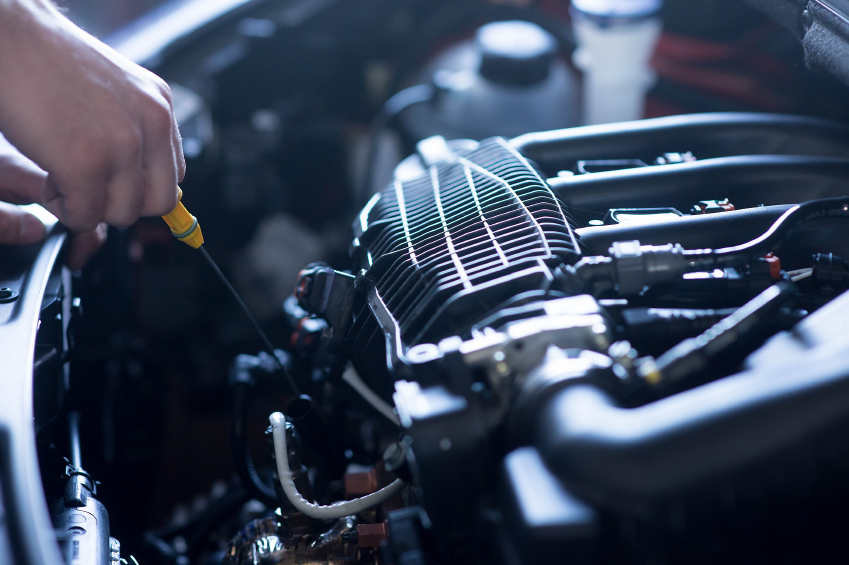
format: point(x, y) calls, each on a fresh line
point(245, 468)
point(250, 316)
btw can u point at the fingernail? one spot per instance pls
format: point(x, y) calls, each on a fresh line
point(31, 230)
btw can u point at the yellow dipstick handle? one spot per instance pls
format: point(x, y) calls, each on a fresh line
point(183, 225)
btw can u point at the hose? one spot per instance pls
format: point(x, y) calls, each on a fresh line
point(796, 215)
point(693, 355)
point(397, 103)
point(765, 243)
point(335, 510)
point(242, 459)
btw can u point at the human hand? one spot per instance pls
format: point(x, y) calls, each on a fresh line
point(21, 182)
point(101, 127)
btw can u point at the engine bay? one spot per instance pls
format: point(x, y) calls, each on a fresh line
point(494, 335)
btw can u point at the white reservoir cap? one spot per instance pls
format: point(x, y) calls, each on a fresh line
point(618, 8)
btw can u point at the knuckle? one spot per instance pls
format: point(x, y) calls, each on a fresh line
point(119, 220)
point(159, 119)
point(165, 91)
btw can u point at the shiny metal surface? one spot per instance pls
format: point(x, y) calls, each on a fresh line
point(26, 516)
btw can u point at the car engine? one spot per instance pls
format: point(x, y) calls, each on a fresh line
point(497, 335)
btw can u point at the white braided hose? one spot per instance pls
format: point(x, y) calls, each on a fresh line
point(335, 510)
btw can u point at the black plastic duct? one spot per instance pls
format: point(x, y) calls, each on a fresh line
point(748, 181)
point(677, 443)
point(705, 135)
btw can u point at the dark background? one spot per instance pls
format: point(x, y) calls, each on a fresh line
point(102, 17)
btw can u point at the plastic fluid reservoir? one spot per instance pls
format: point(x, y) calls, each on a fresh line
point(508, 81)
point(616, 39)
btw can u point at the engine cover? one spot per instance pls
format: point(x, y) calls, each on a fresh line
point(464, 239)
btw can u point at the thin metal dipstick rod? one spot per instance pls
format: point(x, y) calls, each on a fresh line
point(250, 316)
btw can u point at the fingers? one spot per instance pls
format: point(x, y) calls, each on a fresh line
point(21, 180)
point(125, 191)
point(135, 175)
point(164, 165)
point(101, 127)
point(84, 245)
point(77, 197)
point(18, 227)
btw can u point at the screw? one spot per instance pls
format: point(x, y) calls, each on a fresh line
point(7, 295)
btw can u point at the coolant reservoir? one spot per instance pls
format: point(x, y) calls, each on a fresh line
point(509, 80)
point(616, 39)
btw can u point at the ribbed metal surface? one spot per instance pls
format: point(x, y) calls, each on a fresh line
point(459, 228)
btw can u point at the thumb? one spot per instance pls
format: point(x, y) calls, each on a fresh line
point(18, 227)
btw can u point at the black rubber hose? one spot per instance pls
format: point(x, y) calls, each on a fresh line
point(699, 259)
point(385, 119)
point(799, 214)
point(245, 468)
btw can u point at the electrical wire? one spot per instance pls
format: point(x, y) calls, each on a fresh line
point(351, 377)
point(250, 316)
point(798, 276)
point(798, 271)
point(336, 510)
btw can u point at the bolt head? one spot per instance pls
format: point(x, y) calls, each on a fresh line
point(7, 295)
